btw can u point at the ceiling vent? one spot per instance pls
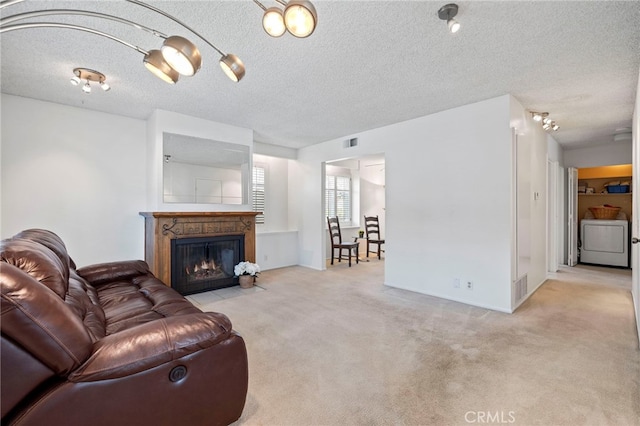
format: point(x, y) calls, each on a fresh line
point(349, 143)
point(620, 137)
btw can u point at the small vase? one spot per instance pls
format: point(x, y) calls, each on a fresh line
point(246, 281)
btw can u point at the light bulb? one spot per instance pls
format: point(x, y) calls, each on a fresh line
point(555, 127)
point(105, 86)
point(75, 80)
point(181, 55)
point(537, 117)
point(232, 67)
point(300, 17)
point(86, 88)
point(454, 25)
point(273, 22)
point(155, 63)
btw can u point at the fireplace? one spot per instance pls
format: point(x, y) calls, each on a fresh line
point(165, 230)
point(205, 263)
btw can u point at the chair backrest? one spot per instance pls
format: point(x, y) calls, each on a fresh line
point(334, 230)
point(372, 227)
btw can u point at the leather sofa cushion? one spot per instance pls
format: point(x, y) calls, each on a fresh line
point(83, 299)
point(38, 261)
point(39, 321)
point(51, 241)
point(130, 295)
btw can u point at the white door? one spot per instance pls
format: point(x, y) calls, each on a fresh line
point(572, 225)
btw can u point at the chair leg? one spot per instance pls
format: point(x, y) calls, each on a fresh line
point(333, 251)
point(367, 248)
point(357, 254)
point(378, 251)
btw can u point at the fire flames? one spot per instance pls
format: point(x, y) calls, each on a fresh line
point(205, 269)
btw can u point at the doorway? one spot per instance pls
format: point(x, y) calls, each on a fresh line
point(365, 195)
point(592, 192)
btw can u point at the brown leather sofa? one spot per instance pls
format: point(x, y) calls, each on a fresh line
point(109, 344)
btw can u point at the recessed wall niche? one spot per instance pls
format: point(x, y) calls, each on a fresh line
point(204, 171)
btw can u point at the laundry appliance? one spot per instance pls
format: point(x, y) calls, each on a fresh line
point(604, 242)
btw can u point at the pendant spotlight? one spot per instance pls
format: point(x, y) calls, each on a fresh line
point(299, 17)
point(88, 76)
point(447, 13)
point(178, 55)
point(547, 123)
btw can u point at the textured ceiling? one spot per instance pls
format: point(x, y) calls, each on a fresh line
point(368, 64)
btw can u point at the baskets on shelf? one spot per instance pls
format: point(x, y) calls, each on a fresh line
point(605, 212)
point(617, 189)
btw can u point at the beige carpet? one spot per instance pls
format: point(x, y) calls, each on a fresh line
point(339, 348)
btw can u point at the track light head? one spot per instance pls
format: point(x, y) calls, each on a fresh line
point(154, 62)
point(453, 25)
point(539, 116)
point(273, 22)
point(447, 13)
point(181, 55)
point(232, 67)
point(300, 18)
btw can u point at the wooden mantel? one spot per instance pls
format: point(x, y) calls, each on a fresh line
point(162, 227)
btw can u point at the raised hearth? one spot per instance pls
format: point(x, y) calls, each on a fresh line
point(163, 227)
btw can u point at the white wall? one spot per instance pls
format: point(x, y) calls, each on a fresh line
point(554, 150)
point(372, 195)
point(76, 172)
point(276, 240)
point(448, 200)
point(531, 214)
point(601, 155)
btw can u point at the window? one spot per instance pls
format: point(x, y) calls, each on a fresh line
point(338, 197)
point(258, 192)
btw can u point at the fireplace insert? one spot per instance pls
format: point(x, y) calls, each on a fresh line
point(205, 263)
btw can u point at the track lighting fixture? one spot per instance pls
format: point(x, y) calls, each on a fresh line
point(299, 17)
point(88, 76)
point(547, 122)
point(447, 13)
point(273, 22)
point(177, 55)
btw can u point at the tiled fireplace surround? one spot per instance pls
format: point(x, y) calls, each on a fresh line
point(162, 227)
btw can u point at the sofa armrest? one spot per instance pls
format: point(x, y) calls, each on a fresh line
point(149, 345)
point(102, 273)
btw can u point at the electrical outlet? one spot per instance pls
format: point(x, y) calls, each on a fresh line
point(456, 283)
point(469, 285)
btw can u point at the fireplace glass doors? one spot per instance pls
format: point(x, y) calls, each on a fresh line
point(205, 263)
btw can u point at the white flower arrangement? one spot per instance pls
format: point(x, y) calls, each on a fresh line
point(246, 268)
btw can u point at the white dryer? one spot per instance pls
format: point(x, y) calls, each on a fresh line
point(604, 242)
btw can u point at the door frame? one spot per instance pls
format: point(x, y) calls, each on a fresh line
point(552, 215)
point(572, 216)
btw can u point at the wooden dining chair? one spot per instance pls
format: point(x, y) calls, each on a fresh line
point(337, 244)
point(372, 232)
